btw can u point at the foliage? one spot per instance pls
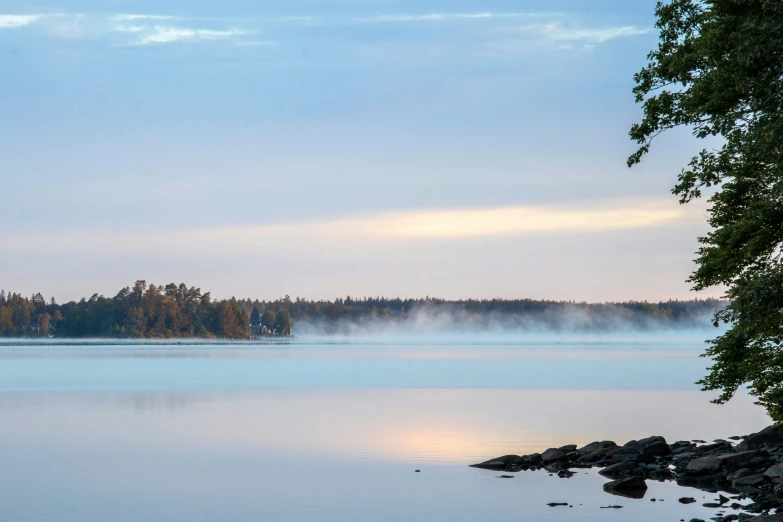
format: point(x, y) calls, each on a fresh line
point(718, 70)
point(255, 317)
point(139, 312)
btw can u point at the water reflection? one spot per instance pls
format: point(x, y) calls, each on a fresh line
point(448, 426)
point(133, 439)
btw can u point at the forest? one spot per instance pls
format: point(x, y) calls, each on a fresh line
point(179, 311)
point(141, 311)
point(348, 314)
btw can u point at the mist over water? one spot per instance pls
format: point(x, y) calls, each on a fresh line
point(563, 323)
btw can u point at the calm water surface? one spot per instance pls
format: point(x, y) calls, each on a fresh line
point(328, 430)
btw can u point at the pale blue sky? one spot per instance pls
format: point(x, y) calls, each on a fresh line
point(460, 149)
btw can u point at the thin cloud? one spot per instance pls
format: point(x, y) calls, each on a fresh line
point(593, 36)
point(391, 229)
point(13, 21)
point(439, 17)
point(169, 34)
point(136, 17)
point(561, 35)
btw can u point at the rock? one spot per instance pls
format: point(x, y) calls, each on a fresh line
point(701, 480)
point(596, 456)
point(711, 505)
point(683, 449)
point(506, 476)
point(595, 446)
point(712, 449)
point(616, 470)
point(733, 461)
point(775, 471)
point(624, 451)
point(687, 456)
point(568, 449)
point(533, 458)
point(687, 500)
point(750, 480)
point(633, 487)
point(500, 462)
point(633, 445)
point(556, 504)
point(651, 440)
point(657, 449)
point(647, 459)
point(769, 435)
point(553, 455)
point(696, 520)
point(704, 465)
point(777, 517)
point(742, 472)
point(611, 507)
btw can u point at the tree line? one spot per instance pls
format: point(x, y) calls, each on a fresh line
point(179, 311)
point(141, 311)
point(333, 316)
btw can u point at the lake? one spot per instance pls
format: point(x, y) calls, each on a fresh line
point(327, 429)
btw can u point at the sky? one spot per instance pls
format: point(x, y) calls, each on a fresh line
point(456, 148)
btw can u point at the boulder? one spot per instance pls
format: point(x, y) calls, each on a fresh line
point(552, 455)
point(633, 487)
point(532, 458)
point(633, 445)
point(688, 455)
point(750, 480)
point(742, 472)
point(718, 447)
point(500, 463)
point(631, 457)
point(768, 436)
point(732, 461)
point(704, 465)
point(595, 456)
point(777, 517)
point(568, 448)
point(658, 448)
point(595, 446)
point(775, 471)
point(622, 451)
point(650, 440)
point(679, 450)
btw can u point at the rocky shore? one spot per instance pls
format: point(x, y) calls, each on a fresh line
point(747, 469)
